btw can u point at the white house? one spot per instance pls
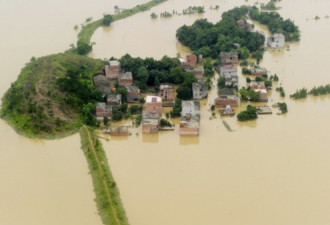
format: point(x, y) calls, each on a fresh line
point(276, 41)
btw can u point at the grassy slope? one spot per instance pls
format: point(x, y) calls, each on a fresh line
point(87, 31)
point(34, 102)
point(107, 194)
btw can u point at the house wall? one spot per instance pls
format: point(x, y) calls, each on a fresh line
point(154, 107)
point(185, 131)
point(125, 83)
point(226, 59)
point(149, 129)
point(222, 103)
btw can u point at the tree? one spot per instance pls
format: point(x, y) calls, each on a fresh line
point(249, 114)
point(87, 114)
point(176, 112)
point(83, 48)
point(142, 78)
point(107, 20)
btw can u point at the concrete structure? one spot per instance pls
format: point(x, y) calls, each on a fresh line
point(125, 79)
point(200, 90)
point(227, 97)
point(103, 110)
point(190, 118)
point(190, 108)
point(229, 57)
point(101, 81)
point(166, 92)
point(276, 41)
point(264, 110)
point(257, 71)
point(189, 126)
point(154, 105)
point(150, 122)
point(229, 72)
point(113, 69)
point(114, 100)
point(133, 94)
point(227, 111)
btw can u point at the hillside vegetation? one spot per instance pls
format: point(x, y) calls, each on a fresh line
point(52, 95)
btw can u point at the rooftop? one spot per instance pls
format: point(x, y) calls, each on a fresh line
point(165, 86)
point(190, 104)
point(114, 63)
point(132, 89)
point(126, 76)
point(228, 67)
point(150, 115)
point(153, 99)
point(228, 54)
point(114, 97)
point(278, 35)
point(226, 91)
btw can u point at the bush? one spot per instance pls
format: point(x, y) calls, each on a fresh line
point(299, 94)
point(249, 114)
point(107, 20)
point(165, 123)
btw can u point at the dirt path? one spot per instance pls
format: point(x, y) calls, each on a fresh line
point(102, 174)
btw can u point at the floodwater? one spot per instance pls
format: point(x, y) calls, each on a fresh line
point(43, 182)
point(271, 171)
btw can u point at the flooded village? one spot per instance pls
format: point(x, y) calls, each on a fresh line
point(272, 170)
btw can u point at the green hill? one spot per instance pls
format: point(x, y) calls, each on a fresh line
point(51, 95)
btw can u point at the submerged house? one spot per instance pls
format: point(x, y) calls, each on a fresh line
point(190, 118)
point(226, 97)
point(200, 90)
point(261, 89)
point(150, 122)
point(154, 105)
point(166, 92)
point(258, 71)
point(229, 72)
point(229, 57)
point(276, 41)
point(103, 110)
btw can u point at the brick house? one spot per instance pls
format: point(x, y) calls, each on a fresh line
point(261, 89)
point(191, 60)
point(125, 79)
point(166, 92)
point(190, 118)
point(133, 94)
point(113, 69)
point(198, 72)
point(103, 110)
point(154, 104)
point(229, 57)
point(114, 100)
point(226, 97)
point(150, 122)
point(257, 71)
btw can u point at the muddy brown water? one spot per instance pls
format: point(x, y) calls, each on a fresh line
point(271, 171)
